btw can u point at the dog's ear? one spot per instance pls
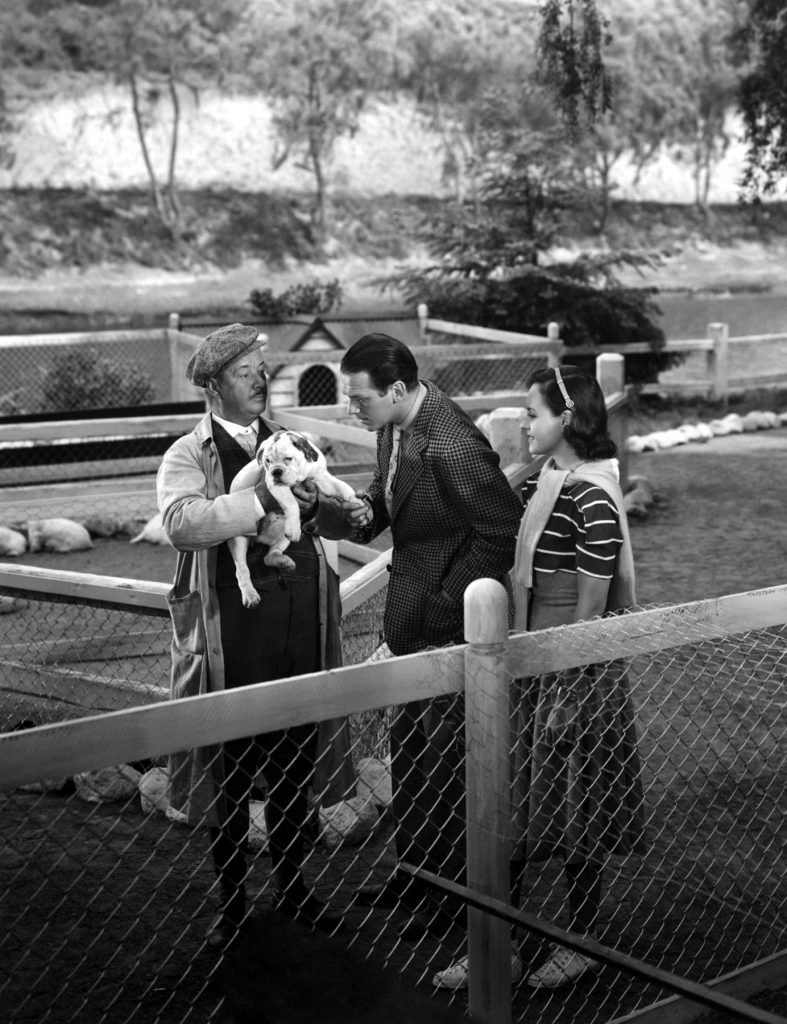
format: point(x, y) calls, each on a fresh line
point(265, 450)
point(304, 445)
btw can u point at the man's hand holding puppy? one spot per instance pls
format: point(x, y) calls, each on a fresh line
point(306, 494)
point(358, 513)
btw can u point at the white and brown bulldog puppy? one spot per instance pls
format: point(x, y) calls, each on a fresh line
point(283, 460)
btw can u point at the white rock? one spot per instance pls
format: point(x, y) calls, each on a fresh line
point(258, 827)
point(783, 417)
point(772, 418)
point(59, 535)
point(734, 422)
point(754, 420)
point(719, 428)
point(154, 794)
point(154, 790)
point(690, 431)
point(12, 542)
point(649, 443)
point(152, 532)
point(374, 781)
point(634, 444)
point(107, 785)
point(176, 816)
point(705, 432)
point(664, 439)
point(349, 822)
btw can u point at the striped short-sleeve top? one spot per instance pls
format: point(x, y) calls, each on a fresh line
point(583, 533)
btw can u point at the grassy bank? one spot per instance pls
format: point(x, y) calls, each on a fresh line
point(50, 228)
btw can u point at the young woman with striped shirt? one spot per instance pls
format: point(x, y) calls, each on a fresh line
point(577, 793)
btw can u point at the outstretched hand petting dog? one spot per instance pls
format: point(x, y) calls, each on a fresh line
point(288, 475)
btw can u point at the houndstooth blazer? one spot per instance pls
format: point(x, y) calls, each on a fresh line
point(454, 519)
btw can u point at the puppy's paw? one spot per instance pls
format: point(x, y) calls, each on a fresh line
point(279, 561)
point(292, 531)
point(250, 597)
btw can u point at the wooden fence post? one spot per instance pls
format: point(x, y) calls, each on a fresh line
point(610, 372)
point(423, 314)
point(488, 761)
point(174, 321)
point(718, 361)
point(556, 345)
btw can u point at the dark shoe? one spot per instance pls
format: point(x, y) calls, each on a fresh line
point(224, 934)
point(302, 905)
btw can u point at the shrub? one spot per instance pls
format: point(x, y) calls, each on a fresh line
point(314, 297)
point(84, 379)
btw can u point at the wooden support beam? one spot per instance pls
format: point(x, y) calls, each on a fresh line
point(625, 636)
point(85, 588)
point(97, 430)
point(100, 740)
point(742, 983)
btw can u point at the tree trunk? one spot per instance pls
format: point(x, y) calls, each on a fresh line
point(173, 146)
point(315, 143)
point(161, 202)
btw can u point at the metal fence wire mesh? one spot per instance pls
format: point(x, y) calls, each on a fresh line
point(60, 372)
point(105, 445)
point(107, 894)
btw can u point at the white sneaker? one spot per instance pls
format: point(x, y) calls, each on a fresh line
point(563, 967)
point(455, 976)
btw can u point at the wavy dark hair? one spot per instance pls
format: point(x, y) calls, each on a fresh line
point(588, 431)
point(384, 358)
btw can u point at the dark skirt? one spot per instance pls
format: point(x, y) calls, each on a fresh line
point(576, 789)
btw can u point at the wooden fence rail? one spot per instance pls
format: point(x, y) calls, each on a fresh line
point(482, 669)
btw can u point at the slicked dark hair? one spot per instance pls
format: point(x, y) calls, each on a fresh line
point(384, 358)
point(588, 431)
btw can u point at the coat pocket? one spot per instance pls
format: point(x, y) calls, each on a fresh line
point(187, 626)
point(443, 619)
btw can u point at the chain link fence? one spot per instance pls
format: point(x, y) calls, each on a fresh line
point(107, 894)
point(55, 373)
point(106, 466)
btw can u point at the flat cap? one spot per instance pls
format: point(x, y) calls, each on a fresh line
point(218, 349)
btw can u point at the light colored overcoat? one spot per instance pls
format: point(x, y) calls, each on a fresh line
point(198, 515)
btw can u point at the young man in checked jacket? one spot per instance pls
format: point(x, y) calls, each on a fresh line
point(454, 519)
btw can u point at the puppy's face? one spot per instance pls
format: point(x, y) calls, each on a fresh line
point(287, 458)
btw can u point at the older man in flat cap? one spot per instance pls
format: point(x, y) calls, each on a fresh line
point(220, 644)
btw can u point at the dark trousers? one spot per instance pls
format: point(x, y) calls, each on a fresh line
point(277, 639)
point(428, 776)
point(584, 880)
point(286, 759)
point(584, 895)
